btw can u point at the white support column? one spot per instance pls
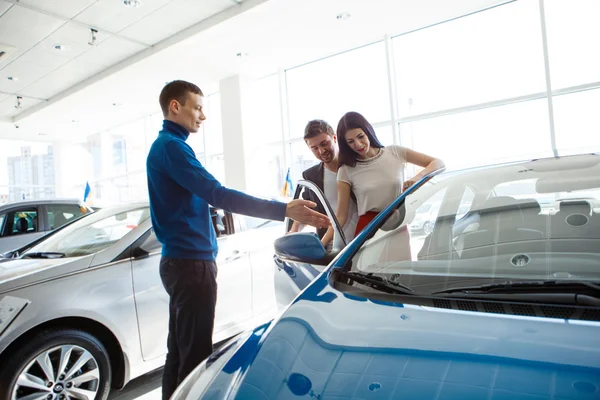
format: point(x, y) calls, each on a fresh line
point(233, 132)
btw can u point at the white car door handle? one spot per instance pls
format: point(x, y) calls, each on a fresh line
point(234, 256)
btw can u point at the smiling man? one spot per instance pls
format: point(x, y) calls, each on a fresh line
point(322, 141)
point(180, 191)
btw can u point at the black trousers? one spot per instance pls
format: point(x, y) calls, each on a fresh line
point(192, 289)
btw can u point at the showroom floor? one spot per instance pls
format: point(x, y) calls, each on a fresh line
point(146, 387)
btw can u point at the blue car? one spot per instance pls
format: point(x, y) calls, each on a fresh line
point(500, 301)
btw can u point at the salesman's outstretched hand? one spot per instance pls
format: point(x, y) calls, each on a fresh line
point(300, 210)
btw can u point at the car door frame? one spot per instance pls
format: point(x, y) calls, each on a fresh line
point(339, 239)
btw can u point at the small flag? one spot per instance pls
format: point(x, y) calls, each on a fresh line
point(287, 185)
point(87, 195)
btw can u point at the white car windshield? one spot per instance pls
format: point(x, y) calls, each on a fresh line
point(93, 233)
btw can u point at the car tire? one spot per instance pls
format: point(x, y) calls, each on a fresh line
point(82, 357)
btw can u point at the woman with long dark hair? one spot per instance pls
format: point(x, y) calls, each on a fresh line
point(374, 172)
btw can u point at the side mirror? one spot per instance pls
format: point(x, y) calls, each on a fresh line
point(303, 247)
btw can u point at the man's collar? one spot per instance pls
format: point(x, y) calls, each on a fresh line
point(174, 128)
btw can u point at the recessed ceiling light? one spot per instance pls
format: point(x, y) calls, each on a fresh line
point(12, 78)
point(132, 3)
point(61, 47)
point(343, 16)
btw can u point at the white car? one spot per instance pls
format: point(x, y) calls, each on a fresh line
point(85, 309)
point(25, 221)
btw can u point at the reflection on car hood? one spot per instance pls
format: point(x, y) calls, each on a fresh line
point(19, 272)
point(338, 345)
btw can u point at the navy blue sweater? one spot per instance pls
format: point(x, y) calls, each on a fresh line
point(181, 190)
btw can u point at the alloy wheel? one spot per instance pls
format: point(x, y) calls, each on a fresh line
point(66, 372)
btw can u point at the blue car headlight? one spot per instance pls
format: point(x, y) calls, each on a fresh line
point(195, 385)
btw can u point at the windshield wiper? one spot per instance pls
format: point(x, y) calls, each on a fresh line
point(562, 292)
point(44, 254)
point(378, 283)
point(526, 286)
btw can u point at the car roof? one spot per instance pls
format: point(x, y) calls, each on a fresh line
point(40, 202)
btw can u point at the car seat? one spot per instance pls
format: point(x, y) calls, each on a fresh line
point(22, 225)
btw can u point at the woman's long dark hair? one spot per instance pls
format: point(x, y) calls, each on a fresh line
point(354, 120)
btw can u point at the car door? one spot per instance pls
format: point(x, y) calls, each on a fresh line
point(291, 277)
point(19, 227)
point(151, 298)
point(257, 235)
point(234, 275)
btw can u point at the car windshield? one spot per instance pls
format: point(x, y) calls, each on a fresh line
point(93, 233)
point(533, 221)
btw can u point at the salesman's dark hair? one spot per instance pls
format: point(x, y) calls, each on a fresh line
point(176, 90)
point(354, 120)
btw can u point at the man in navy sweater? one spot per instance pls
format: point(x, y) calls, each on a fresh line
point(181, 190)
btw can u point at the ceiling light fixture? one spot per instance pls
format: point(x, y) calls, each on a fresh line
point(12, 78)
point(242, 54)
point(132, 3)
point(93, 39)
point(61, 47)
point(18, 104)
point(343, 16)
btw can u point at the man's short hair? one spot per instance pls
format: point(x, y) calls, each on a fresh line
point(176, 90)
point(316, 127)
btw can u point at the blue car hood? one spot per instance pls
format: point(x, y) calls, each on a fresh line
point(332, 345)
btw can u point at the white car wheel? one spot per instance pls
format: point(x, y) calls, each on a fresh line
point(58, 365)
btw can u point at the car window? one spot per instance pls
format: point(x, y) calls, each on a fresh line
point(489, 226)
point(91, 235)
point(21, 221)
point(2, 217)
point(150, 243)
point(222, 221)
point(60, 214)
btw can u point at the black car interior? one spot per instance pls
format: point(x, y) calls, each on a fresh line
point(509, 226)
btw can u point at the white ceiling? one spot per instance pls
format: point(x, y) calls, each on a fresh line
point(140, 49)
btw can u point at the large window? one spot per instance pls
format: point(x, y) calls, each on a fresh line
point(26, 170)
point(573, 31)
point(479, 58)
point(301, 159)
point(480, 137)
point(577, 122)
point(327, 89)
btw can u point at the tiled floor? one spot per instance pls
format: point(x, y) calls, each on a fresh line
point(146, 387)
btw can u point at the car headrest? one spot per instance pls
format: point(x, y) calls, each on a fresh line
point(499, 204)
point(574, 207)
point(22, 224)
point(530, 206)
